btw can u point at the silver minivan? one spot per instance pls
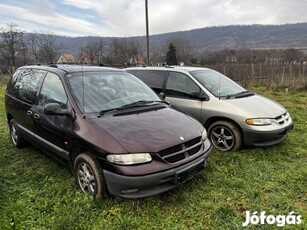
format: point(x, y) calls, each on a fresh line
point(233, 116)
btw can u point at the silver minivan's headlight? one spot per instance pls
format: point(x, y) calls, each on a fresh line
point(259, 121)
point(129, 159)
point(204, 135)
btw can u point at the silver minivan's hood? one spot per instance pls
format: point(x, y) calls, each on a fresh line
point(256, 106)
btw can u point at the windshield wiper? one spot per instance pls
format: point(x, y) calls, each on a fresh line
point(102, 112)
point(140, 103)
point(245, 93)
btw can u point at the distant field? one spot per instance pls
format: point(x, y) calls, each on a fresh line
point(36, 192)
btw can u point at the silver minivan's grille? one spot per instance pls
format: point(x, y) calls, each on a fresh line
point(282, 119)
point(180, 152)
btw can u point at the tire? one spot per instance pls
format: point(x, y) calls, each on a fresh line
point(15, 136)
point(225, 136)
point(89, 176)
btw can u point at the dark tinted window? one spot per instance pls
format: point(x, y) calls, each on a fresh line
point(153, 78)
point(52, 91)
point(13, 89)
point(180, 85)
point(25, 84)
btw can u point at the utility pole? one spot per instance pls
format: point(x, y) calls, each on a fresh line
point(147, 31)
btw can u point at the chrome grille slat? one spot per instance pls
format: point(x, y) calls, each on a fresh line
point(181, 151)
point(283, 118)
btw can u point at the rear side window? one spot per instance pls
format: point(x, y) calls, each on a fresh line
point(153, 78)
point(52, 91)
point(25, 84)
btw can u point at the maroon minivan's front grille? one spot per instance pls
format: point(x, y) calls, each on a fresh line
point(182, 151)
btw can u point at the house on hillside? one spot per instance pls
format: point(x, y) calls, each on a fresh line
point(66, 58)
point(136, 60)
point(85, 58)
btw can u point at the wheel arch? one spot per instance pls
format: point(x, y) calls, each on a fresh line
point(83, 148)
point(211, 120)
point(9, 117)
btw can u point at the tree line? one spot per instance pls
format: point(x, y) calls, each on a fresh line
point(246, 65)
point(18, 48)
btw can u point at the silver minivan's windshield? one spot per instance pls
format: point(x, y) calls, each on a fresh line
point(218, 84)
point(98, 92)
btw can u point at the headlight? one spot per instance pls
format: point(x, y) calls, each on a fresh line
point(204, 135)
point(129, 159)
point(259, 121)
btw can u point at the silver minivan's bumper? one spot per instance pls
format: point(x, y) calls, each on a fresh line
point(266, 138)
point(153, 184)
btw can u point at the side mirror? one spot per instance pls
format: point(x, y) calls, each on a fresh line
point(200, 96)
point(55, 109)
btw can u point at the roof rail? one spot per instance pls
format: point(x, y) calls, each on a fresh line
point(53, 65)
point(169, 66)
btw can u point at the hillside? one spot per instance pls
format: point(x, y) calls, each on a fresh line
point(222, 37)
point(238, 37)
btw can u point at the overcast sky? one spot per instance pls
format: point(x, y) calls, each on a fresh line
point(127, 17)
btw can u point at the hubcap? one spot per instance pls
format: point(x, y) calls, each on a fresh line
point(86, 179)
point(222, 138)
point(14, 135)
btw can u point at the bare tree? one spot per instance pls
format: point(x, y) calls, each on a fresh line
point(12, 43)
point(157, 54)
point(94, 50)
point(118, 52)
point(122, 49)
point(293, 56)
point(32, 43)
point(91, 50)
point(48, 49)
point(100, 47)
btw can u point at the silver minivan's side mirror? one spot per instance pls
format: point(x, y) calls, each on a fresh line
point(55, 109)
point(199, 95)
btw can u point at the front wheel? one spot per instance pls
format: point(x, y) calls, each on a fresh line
point(225, 136)
point(89, 176)
point(16, 138)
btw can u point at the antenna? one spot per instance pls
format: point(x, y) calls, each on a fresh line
point(83, 110)
point(219, 87)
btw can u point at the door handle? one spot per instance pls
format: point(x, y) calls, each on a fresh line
point(36, 116)
point(29, 113)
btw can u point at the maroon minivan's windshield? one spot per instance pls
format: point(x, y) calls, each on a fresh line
point(101, 91)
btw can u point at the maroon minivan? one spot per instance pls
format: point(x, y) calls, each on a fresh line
point(113, 131)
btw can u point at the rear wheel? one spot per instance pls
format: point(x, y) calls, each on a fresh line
point(89, 176)
point(16, 138)
point(225, 136)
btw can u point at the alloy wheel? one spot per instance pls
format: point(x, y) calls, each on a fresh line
point(86, 179)
point(222, 138)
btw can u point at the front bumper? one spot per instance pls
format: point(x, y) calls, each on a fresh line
point(266, 138)
point(153, 184)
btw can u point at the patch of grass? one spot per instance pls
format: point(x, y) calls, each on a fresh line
point(36, 192)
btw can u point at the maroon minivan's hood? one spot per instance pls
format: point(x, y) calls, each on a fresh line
point(149, 131)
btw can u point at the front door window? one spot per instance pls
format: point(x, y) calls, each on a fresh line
point(180, 85)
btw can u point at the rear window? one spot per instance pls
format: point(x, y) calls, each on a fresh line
point(25, 84)
point(153, 78)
